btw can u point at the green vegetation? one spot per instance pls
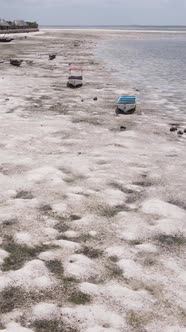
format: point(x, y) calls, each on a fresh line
point(32, 25)
point(171, 240)
point(19, 254)
point(17, 25)
point(10, 298)
point(136, 321)
point(55, 267)
point(91, 252)
point(47, 326)
point(79, 298)
point(52, 326)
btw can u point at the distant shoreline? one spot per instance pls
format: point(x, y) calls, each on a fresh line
point(119, 27)
point(110, 29)
point(124, 28)
point(12, 31)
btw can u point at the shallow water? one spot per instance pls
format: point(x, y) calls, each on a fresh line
point(179, 28)
point(155, 66)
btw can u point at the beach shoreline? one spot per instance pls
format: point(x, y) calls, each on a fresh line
point(92, 217)
point(15, 31)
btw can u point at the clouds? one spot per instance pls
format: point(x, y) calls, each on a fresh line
point(97, 11)
point(149, 3)
point(101, 3)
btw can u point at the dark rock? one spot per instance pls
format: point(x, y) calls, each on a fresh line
point(52, 56)
point(9, 222)
point(180, 132)
point(184, 131)
point(173, 129)
point(131, 111)
point(16, 62)
point(174, 124)
point(82, 100)
point(95, 98)
point(45, 208)
point(122, 128)
point(23, 194)
point(29, 62)
point(76, 43)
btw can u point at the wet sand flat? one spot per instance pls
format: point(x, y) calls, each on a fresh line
point(92, 218)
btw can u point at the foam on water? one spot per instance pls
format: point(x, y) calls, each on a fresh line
point(154, 66)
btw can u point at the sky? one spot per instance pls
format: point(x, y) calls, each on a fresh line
point(96, 12)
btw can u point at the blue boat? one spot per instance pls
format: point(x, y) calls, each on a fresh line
point(126, 104)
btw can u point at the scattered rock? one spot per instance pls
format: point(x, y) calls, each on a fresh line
point(76, 43)
point(16, 62)
point(52, 56)
point(122, 128)
point(95, 98)
point(174, 124)
point(173, 129)
point(29, 62)
point(9, 222)
point(23, 194)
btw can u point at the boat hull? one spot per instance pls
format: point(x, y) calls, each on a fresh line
point(6, 40)
point(126, 109)
point(75, 83)
point(126, 105)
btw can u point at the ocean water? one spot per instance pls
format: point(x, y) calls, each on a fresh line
point(118, 27)
point(154, 65)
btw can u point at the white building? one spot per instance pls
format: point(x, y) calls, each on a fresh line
point(4, 24)
point(20, 23)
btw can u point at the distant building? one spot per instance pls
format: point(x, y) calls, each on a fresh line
point(20, 24)
point(4, 25)
point(17, 25)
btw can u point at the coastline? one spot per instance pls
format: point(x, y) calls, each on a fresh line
point(101, 210)
point(12, 31)
point(113, 30)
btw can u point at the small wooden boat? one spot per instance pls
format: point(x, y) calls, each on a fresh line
point(5, 40)
point(75, 78)
point(126, 105)
point(16, 62)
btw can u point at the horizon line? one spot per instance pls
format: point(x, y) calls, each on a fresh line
point(114, 25)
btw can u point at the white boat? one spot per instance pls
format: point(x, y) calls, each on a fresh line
point(75, 78)
point(126, 104)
